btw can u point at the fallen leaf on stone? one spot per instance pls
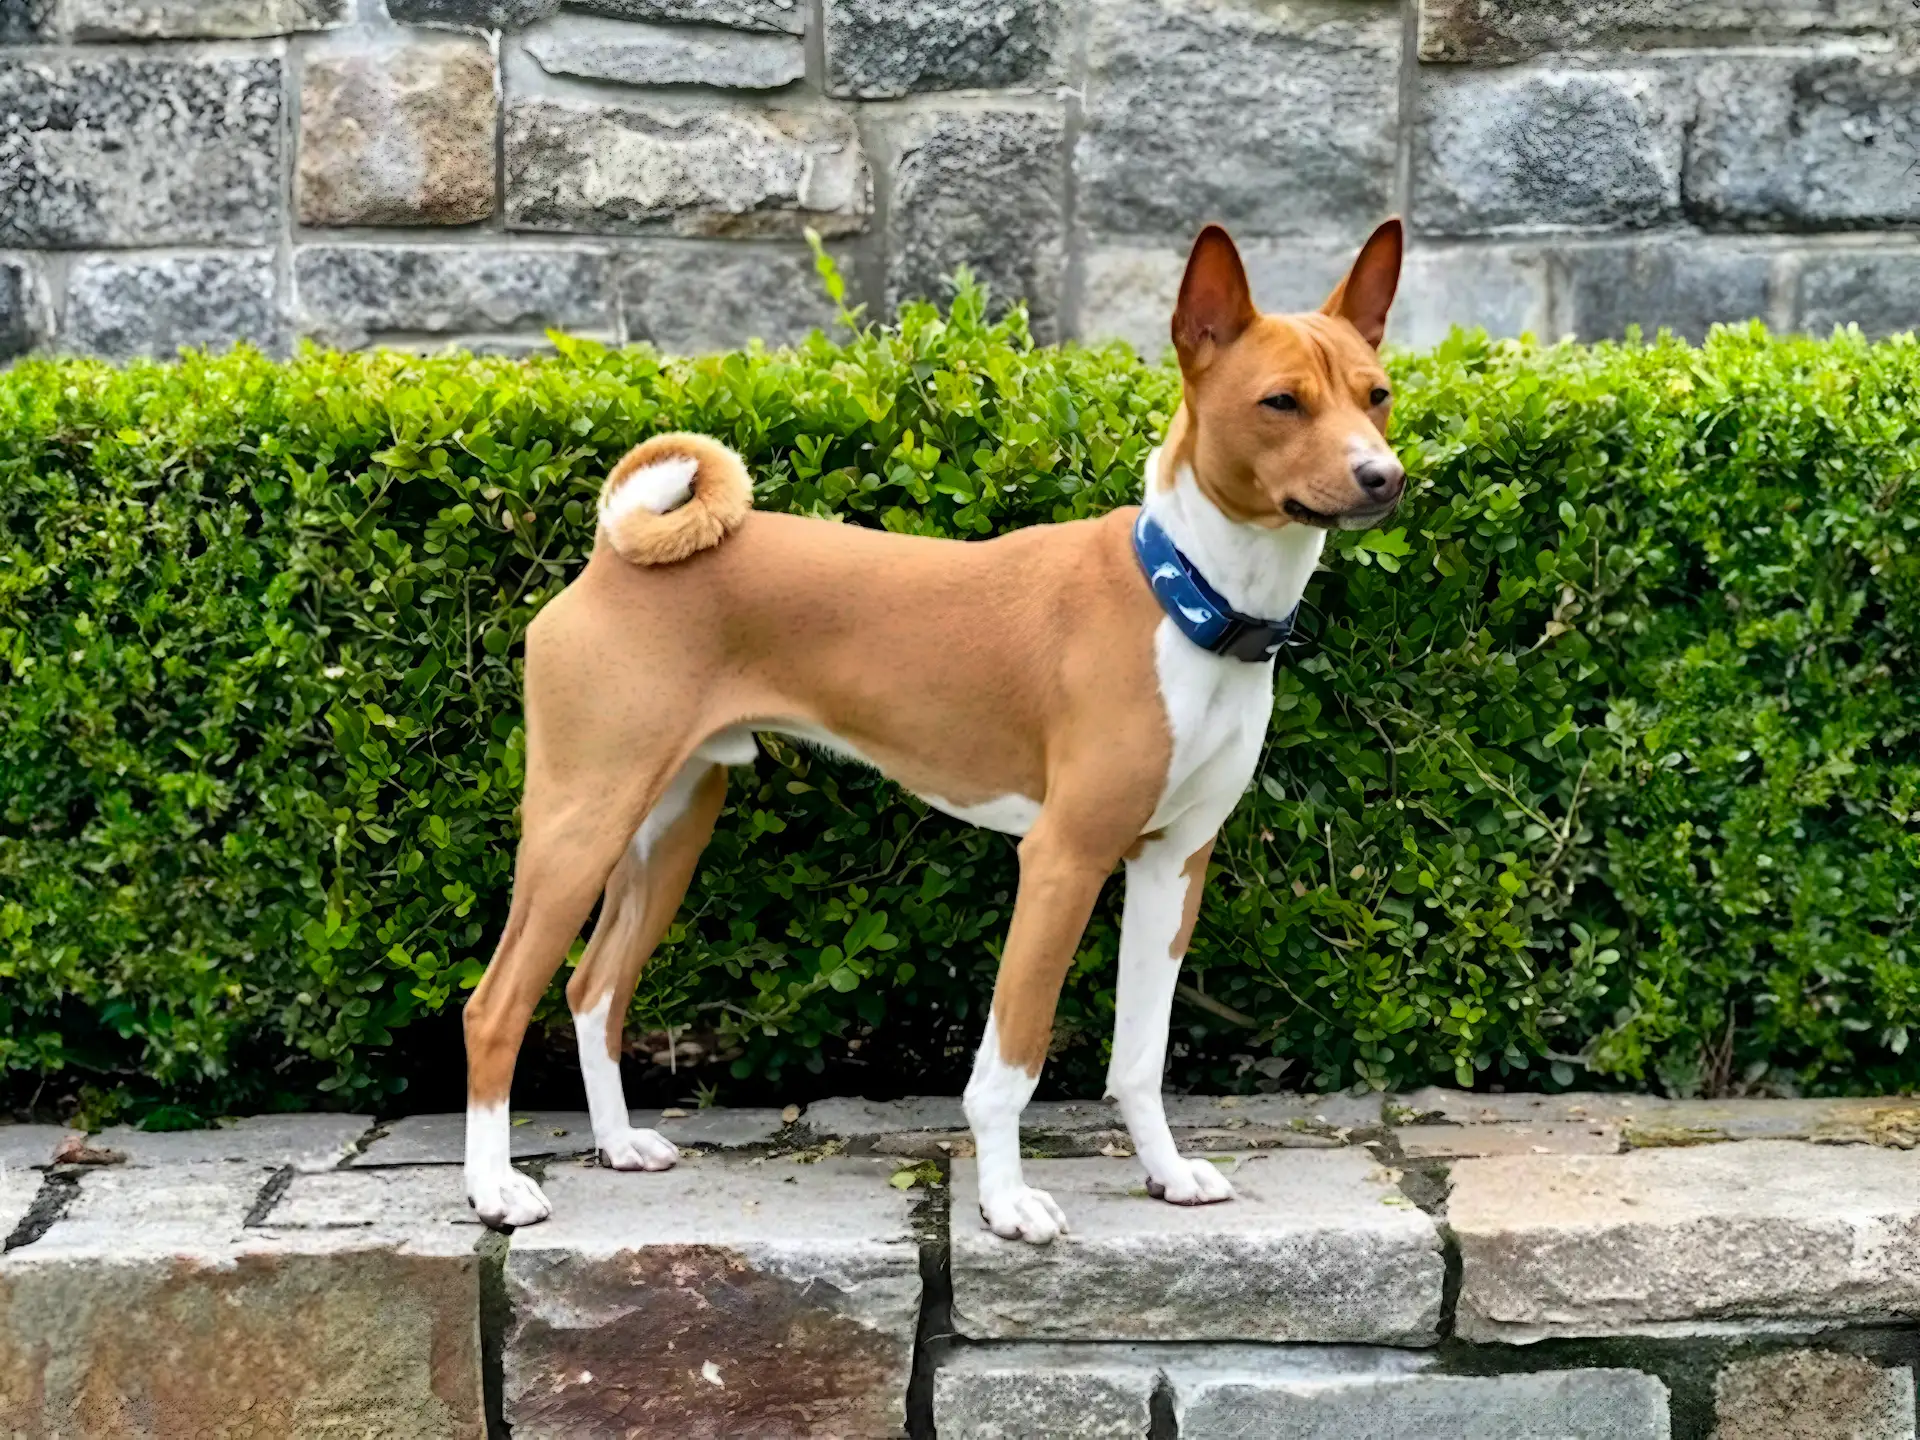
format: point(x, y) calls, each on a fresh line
point(1115, 1152)
point(710, 1373)
point(74, 1150)
point(790, 1114)
point(673, 1114)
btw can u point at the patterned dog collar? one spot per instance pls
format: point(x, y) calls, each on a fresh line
point(1196, 607)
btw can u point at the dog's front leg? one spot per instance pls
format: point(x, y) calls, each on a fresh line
point(1060, 878)
point(1164, 883)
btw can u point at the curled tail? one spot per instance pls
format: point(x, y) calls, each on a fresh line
point(673, 496)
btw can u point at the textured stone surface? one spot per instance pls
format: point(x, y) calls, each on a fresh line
point(348, 292)
point(154, 305)
point(1129, 290)
point(1271, 120)
point(787, 15)
point(1812, 1395)
point(1494, 30)
point(879, 49)
point(695, 299)
point(717, 1298)
point(1682, 286)
point(483, 14)
point(1385, 1402)
point(694, 170)
point(1437, 1104)
point(1528, 150)
point(197, 19)
point(441, 1139)
point(266, 1142)
point(1459, 1142)
point(22, 1146)
point(120, 149)
point(398, 136)
point(658, 55)
point(23, 323)
point(424, 1206)
point(984, 188)
point(18, 1187)
point(1500, 288)
point(1062, 1392)
point(1319, 1245)
point(1878, 290)
point(1685, 1240)
point(1649, 1121)
point(1819, 141)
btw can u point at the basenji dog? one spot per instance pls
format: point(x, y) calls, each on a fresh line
point(1099, 688)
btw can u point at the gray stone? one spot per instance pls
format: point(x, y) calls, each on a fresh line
point(692, 170)
point(658, 55)
point(166, 1210)
point(19, 1187)
point(986, 189)
point(1062, 1392)
point(1459, 1142)
point(1437, 1104)
point(442, 1139)
point(1532, 150)
point(880, 49)
point(785, 15)
point(266, 1142)
point(1388, 1402)
point(135, 149)
point(1812, 1395)
point(1650, 1121)
point(1878, 290)
point(1819, 141)
point(851, 1119)
point(424, 1206)
point(1685, 1241)
point(700, 299)
point(398, 136)
point(197, 19)
point(1272, 120)
point(479, 14)
point(26, 1146)
point(347, 293)
point(1496, 30)
point(1319, 1245)
point(1683, 286)
point(717, 1128)
point(23, 21)
point(722, 1297)
point(153, 305)
point(1324, 1113)
point(1501, 289)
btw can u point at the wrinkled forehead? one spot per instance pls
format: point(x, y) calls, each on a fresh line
point(1307, 354)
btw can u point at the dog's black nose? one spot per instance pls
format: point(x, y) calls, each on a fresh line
point(1381, 476)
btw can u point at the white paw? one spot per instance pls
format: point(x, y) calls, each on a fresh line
point(638, 1150)
point(1021, 1212)
point(1191, 1182)
point(506, 1197)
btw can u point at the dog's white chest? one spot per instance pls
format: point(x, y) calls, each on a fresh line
point(1218, 710)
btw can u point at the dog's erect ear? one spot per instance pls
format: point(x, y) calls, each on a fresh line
point(1366, 295)
point(1215, 304)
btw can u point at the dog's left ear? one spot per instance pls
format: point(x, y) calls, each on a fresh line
point(1366, 295)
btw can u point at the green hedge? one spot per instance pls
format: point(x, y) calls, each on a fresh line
point(1606, 770)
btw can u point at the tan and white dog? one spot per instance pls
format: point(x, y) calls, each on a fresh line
point(1034, 684)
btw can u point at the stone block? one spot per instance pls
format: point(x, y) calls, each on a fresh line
point(1878, 290)
point(986, 189)
point(599, 49)
point(348, 293)
point(1686, 286)
point(1499, 30)
point(24, 323)
point(265, 1142)
point(424, 1206)
point(25, 1147)
point(1062, 1392)
point(398, 136)
point(789, 16)
point(153, 305)
point(1685, 1241)
point(1435, 1104)
point(19, 1188)
point(441, 1139)
point(1312, 1397)
point(1823, 141)
point(1319, 1245)
point(1272, 120)
point(882, 49)
point(652, 165)
point(138, 149)
point(1534, 150)
point(1461, 1142)
point(476, 14)
point(1502, 289)
point(149, 1309)
point(1812, 1395)
point(197, 19)
point(722, 1297)
point(693, 300)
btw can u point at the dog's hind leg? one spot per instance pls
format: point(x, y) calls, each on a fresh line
point(643, 894)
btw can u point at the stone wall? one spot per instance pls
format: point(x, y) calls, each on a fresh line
point(424, 171)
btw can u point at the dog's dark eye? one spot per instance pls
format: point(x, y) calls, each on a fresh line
point(1281, 402)
point(1381, 395)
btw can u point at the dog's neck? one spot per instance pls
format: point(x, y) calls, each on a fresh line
point(1257, 570)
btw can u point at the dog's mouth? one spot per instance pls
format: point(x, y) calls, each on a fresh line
point(1357, 519)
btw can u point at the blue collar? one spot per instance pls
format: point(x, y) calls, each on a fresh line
point(1203, 616)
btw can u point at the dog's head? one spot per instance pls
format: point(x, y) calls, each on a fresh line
point(1286, 415)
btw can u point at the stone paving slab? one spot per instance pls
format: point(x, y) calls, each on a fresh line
point(1458, 1142)
point(1062, 1392)
point(726, 1296)
point(1686, 1241)
point(1319, 1245)
point(17, 1191)
point(268, 1142)
point(1650, 1121)
point(22, 1146)
point(541, 1134)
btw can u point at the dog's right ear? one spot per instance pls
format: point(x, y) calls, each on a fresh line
point(1215, 305)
